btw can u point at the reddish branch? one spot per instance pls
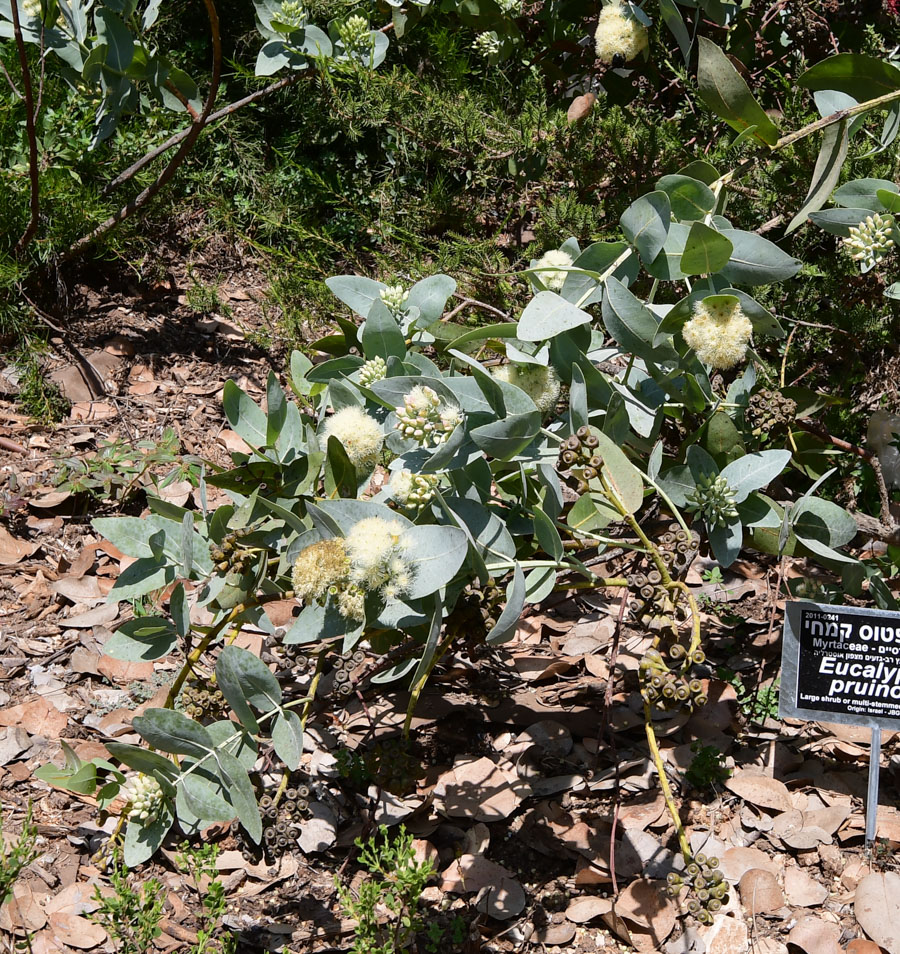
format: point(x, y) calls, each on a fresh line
point(33, 172)
point(190, 137)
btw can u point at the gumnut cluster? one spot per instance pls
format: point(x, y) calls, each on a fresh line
point(769, 410)
point(719, 332)
point(354, 34)
point(578, 454)
point(203, 703)
point(360, 435)
point(425, 418)
point(713, 499)
point(145, 798)
point(487, 44)
point(655, 606)
point(476, 613)
point(394, 298)
point(620, 37)
point(707, 887)
point(291, 14)
point(375, 369)
point(665, 688)
point(540, 383)
point(230, 555)
point(343, 673)
point(871, 241)
point(551, 267)
point(282, 822)
point(413, 491)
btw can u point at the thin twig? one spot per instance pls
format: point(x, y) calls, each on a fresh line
point(474, 303)
point(30, 131)
point(187, 144)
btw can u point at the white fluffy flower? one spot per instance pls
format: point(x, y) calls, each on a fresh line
point(145, 797)
point(318, 568)
point(619, 34)
point(540, 383)
point(377, 549)
point(871, 241)
point(719, 333)
point(553, 264)
point(360, 435)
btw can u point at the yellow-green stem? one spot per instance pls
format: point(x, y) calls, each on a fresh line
point(664, 783)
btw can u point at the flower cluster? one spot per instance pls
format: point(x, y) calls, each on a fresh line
point(291, 14)
point(540, 383)
point(719, 333)
point(360, 435)
point(375, 369)
point(487, 44)
point(355, 35)
point(411, 490)
point(377, 549)
point(394, 298)
point(320, 569)
point(425, 418)
point(510, 8)
point(145, 797)
point(619, 34)
point(713, 498)
point(872, 240)
point(553, 265)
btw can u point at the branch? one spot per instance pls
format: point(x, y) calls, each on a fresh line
point(187, 144)
point(33, 173)
point(136, 167)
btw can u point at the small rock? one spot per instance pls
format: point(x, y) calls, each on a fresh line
point(726, 935)
point(802, 890)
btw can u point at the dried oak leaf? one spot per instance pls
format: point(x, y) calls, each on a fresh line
point(876, 906)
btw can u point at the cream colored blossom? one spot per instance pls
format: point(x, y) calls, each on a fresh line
point(719, 333)
point(619, 34)
point(377, 549)
point(550, 262)
point(318, 568)
point(871, 241)
point(425, 418)
point(540, 383)
point(487, 44)
point(413, 490)
point(351, 603)
point(394, 298)
point(360, 435)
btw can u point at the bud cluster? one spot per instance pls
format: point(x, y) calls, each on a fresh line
point(666, 688)
point(578, 454)
point(652, 604)
point(707, 887)
point(872, 240)
point(769, 410)
point(375, 369)
point(394, 299)
point(425, 418)
point(230, 556)
point(413, 491)
point(203, 704)
point(487, 44)
point(145, 798)
point(713, 499)
point(475, 615)
point(291, 14)
point(354, 34)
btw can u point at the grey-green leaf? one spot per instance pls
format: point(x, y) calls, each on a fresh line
point(646, 223)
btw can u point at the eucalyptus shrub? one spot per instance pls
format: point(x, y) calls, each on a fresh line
point(510, 452)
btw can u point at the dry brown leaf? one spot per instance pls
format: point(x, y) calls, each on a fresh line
point(876, 907)
point(504, 897)
point(37, 717)
point(736, 861)
point(481, 790)
point(760, 893)
point(646, 904)
point(861, 945)
point(582, 910)
point(12, 549)
point(77, 931)
point(554, 934)
point(120, 671)
point(22, 911)
point(815, 936)
point(636, 814)
point(13, 741)
point(76, 899)
point(760, 790)
point(802, 890)
point(580, 107)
